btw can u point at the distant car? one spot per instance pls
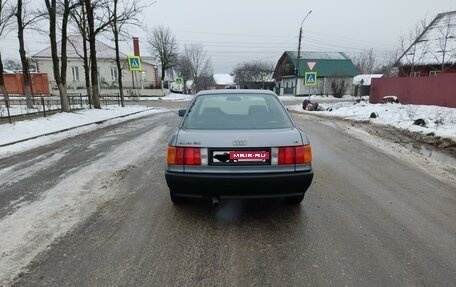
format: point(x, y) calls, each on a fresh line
point(238, 144)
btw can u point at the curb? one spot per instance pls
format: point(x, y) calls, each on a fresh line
point(72, 128)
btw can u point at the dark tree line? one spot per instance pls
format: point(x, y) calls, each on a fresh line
point(255, 73)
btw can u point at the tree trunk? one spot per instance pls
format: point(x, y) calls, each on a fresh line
point(63, 53)
point(52, 7)
point(22, 53)
point(2, 84)
point(86, 57)
point(93, 54)
point(87, 74)
point(119, 66)
point(94, 75)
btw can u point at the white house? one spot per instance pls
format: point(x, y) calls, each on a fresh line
point(222, 81)
point(107, 69)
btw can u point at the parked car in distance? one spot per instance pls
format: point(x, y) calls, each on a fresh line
point(238, 144)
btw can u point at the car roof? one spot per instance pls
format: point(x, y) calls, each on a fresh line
point(235, 91)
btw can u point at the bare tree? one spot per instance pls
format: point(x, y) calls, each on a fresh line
point(93, 53)
point(388, 69)
point(79, 17)
point(7, 11)
point(183, 68)
point(164, 47)
point(443, 52)
point(96, 23)
point(63, 8)
point(121, 16)
point(12, 64)
point(253, 72)
point(200, 65)
point(366, 62)
point(25, 18)
point(412, 51)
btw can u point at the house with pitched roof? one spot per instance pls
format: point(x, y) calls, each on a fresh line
point(434, 51)
point(107, 68)
point(222, 82)
point(427, 69)
point(327, 68)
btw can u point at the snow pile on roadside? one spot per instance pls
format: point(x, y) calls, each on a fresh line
point(31, 128)
point(440, 121)
point(170, 97)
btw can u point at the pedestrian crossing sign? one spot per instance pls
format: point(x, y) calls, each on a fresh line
point(310, 79)
point(134, 63)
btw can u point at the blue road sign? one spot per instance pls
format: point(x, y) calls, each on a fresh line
point(310, 79)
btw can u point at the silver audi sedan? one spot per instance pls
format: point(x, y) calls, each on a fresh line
point(238, 144)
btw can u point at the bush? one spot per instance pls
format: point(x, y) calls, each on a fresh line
point(338, 87)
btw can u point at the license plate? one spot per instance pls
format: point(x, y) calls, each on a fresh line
point(240, 156)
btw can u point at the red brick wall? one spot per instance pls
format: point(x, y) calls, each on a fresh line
point(439, 90)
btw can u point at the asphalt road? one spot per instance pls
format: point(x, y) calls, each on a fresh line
point(369, 219)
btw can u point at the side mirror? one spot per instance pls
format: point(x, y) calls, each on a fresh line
point(182, 113)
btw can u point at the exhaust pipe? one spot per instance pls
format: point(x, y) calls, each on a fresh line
point(215, 201)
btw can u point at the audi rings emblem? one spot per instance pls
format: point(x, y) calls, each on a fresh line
point(239, 143)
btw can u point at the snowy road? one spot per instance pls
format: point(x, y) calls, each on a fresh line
point(374, 216)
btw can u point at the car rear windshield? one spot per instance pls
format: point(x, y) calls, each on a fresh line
point(237, 112)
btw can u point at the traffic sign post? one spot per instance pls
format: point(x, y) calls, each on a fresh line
point(310, 79)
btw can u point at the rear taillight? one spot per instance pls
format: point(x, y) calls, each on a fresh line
point(295, 155)
point(183, 155)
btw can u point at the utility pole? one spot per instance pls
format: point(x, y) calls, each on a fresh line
point(299, 53)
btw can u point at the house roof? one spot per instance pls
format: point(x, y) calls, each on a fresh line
point(365, 79)
point(327, 64)
point(75, 49)
point(428, 48)
point(223, 79)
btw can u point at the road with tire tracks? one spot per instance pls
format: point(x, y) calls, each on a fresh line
point(370, 218)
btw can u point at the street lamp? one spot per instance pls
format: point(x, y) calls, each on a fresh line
point(299, 52)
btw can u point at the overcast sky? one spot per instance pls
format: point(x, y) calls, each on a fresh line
point(236, 31)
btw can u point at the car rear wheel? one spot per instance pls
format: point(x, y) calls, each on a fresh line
point(176, 199)
point(294, 199)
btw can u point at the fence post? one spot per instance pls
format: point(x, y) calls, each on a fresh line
point(44, 106)
point(118, 100)
point(80, 97)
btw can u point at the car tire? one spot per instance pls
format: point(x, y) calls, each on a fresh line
point(294, 199)
point(176, 199)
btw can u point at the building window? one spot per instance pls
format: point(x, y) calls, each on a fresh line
point(433, 73)
point(287, 68)
point(75, 73)
point(114, 74)
point(415, 74)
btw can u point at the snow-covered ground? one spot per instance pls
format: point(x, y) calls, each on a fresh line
point(85, 120)
point(52, 103)
point(440, 121)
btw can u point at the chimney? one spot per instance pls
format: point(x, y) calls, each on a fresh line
point(136, 46)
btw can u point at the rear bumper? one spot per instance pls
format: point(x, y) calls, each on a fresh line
point(239, 185)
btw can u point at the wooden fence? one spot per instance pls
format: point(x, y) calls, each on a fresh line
point(439, 90)
point(15, 84)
